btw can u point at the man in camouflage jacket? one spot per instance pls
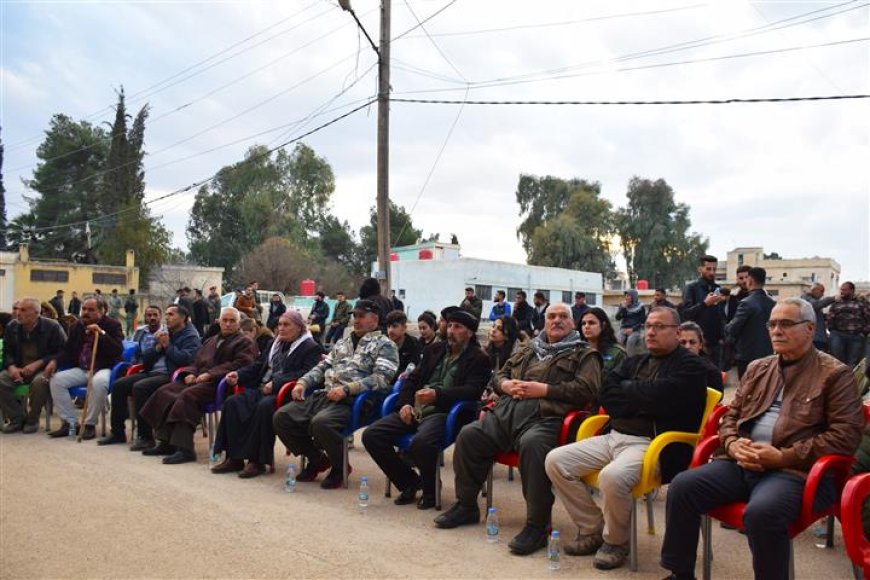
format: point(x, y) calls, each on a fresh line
point(311, 425)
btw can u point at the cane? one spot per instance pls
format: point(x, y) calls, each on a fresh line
point(90, 384)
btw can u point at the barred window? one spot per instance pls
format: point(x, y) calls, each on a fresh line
point(49, 276)
point(104, 278)
point(483, 292)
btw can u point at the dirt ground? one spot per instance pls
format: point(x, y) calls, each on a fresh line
point(72, 510)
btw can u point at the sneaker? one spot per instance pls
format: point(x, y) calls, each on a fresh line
point(314, 468)
point(335, 478)
point(584, 545)
point(610, 556)
point(530, 539)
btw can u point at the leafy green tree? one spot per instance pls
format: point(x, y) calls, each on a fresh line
point(402, 233)
point(544, 198)
point(309, 183)
point(654, 234)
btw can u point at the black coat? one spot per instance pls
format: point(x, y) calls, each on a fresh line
point(108, 352)
point(303, 359)
point(525, 316)
point(709, 318)
point(748, 330)
point(49, 337)
point(472, 374)
point(675, 399)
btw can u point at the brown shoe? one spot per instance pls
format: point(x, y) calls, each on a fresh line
point(584, 545)
point(228, 466)
point(252, 470)
point(90, 432)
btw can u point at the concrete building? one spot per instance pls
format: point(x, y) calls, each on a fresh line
point(22, 276)
point(786, 278)
point(163, 281)
point(433, 275)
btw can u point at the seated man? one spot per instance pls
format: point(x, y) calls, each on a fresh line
point(451, 371)
point(554, 374)
point(168, 350)
point(144, 335)
point(175, 409)
point(29, 343)
point(664, 390)
point(364, 361)
point(77, 355)
point(409, 347)
point(789, 410)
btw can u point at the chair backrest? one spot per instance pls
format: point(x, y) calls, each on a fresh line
point(713, 398)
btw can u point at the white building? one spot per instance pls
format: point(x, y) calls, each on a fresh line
point(433, 275)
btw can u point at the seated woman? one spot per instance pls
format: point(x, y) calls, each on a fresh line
point(692, 338)
point(427, 327)
point(245, 429)
point(597, 330)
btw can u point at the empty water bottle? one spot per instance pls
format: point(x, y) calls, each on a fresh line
point(491, 526)
point(213, 457)
point(290, 478)
point(554, 551)
point(363, 493)
point(72, 431)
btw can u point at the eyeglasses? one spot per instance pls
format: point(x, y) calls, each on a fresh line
point(658, 327)
point(784, 324)
point(690, 341)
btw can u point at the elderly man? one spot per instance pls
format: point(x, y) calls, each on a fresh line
point(164, 351)
point(664, 390)
point(789, 410)
point(175, 409)
point(76, 358)
point(364, 361)
point(451, 371)
point(747, 330)
point(30, 343)
point(554, 374)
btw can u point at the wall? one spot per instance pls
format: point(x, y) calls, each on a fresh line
point(165, 280)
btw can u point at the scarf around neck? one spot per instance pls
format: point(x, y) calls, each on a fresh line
point(545, 350)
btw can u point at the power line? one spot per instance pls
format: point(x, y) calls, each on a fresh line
point(420, 23)
point(432, 40)
point(656, 102)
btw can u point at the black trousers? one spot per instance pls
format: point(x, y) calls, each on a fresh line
point(380, 439)
point(315, 424)
point(773, 502)
point(479, 442)
point(245, 429)
point(140, 386)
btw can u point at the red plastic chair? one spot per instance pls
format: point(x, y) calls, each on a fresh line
point(711, 427)
point(857, 547)
point(837, 466)
point(131, 404)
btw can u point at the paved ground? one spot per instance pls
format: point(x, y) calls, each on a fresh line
point(72, 510)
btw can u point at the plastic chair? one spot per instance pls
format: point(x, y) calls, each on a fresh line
point(460, 414)
point(131, 403)
point(82, 390)
point(650, 478)
point(857, 547)
point(211, 414)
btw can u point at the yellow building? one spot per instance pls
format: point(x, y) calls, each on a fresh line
point(21, 276)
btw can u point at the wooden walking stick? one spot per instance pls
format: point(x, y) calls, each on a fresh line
point(90, 384)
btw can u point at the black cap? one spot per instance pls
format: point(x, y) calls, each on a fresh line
point(448, 311)
point(464, 318)
point(367, 306)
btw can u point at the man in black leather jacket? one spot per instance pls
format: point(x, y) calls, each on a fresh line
point(748, 330)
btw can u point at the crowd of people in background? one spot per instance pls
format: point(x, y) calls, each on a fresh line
point(649, 367)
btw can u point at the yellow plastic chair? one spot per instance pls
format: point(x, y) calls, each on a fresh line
point(650, 479)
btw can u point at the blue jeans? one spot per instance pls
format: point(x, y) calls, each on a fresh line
point(848, 348)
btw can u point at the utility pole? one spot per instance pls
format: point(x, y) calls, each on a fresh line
point(383, 162)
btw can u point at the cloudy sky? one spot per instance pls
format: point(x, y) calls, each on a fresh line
point(222, 76)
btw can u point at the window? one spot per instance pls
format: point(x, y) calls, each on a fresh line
point(108, 279)
point(546, 294)
point(2, 272)
point(512, 294)
point(720, 277)
point(401, 293)
point(591, 299)
point(773, 293)
point(739, 260)
point(483, 292)
point(785, 274)
point(566, 297)
point(49, 276)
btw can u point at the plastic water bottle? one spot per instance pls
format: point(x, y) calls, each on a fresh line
point(290, 478)
point(554, 551)
point(491, 526)
point(363, 494)
point(72, 431)
point(213, 457)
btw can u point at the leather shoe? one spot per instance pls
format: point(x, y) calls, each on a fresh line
point(142, 444)
point(90, 432)
point(530, 539)
point(252, 470)
point(62, 431)
point(335, 478)
point(180, 456)
point(162, 448)
point(228, 466)
point(426, 502)
point(30, 428)
point(111, 439)
point(14, 427)
point(408, 495)
point(458, 515)
point(313, 469)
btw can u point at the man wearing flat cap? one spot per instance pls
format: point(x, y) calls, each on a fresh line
point(449, 372)
point(311, 425)
point(557, 372)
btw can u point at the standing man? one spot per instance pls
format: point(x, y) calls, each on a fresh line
point(541, 306)
point(318, 316)
point(175, 409)
point(309, 425)
point(500, 307)
point(849, 323)
point(702, 303)
point(748, 329)
point(579, 308)
point(524, 313)
point(554, 374)
point(340, 319)
point(77, 355)
point(200, 312)
point(75, 304)
point(817, 299)
point(115, 305)
point(214, 304)
point(131, 308)
point(29, 344)
point(397, 304)
point(164, 351)
point(57, 304)
point(471, 303)
point(660, 299)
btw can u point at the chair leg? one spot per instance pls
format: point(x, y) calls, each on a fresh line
point(438, 481)
point(790, 560)
point(49, 409)
point(829, 541)
point(345, 461)
point(856, 572)
point(650, 517)
point(489, 489)
point(211, 428)
point(388, 492)
point(707, 529)
point(510, 473)
point(632, 541)
point(131, 411)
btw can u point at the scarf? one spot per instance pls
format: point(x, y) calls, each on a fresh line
point(545, 350)
point(277, 354)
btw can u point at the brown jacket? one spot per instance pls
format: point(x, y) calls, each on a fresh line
point(245, 304)
point(821, 413)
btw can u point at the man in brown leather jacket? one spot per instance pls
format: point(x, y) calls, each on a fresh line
point(789, 410)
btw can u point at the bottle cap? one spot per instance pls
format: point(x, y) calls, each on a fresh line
point(365, 479)
point(555, 533)
point(490, 510)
